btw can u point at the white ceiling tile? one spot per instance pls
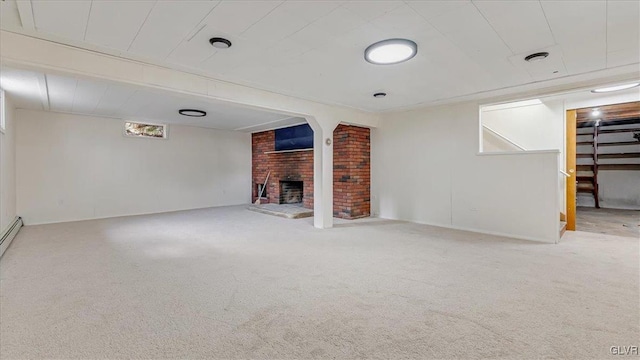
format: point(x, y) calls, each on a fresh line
point(369, 10)
point(521, 24)
point(433, 9)
point(468, 30)
point(623, 32)
point(582, 59)
point(99, 98)
point(65, 18)
point(580, 31)
point(623, 57)
point(226, 16)
point(275, 26)
point(314, 49)
point(128, 15)
point(403, 20)
point(113, 99)
point(87, 96)
point(326, 29)
point(241, 53)
point(61, 92)
point(24, 87)
point(551, 67)
point(309, 10)
point(167, 25)
point(191, 52)
point(9, 15)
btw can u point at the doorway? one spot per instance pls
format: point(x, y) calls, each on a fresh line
point(603, 163)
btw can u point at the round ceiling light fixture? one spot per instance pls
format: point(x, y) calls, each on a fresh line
point(615, 88)
point(536, 56)
point(379, 95)
point(220, 43)
point(391, 51)
point(192, 112)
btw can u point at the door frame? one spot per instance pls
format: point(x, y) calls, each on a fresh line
point(570, 155)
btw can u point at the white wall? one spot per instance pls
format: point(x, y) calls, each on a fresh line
point(8, 168)
point(492, 142)
point(72, 167)
point(427, 169)
point(532, 127)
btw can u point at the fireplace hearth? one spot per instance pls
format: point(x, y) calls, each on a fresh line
point(291, 192)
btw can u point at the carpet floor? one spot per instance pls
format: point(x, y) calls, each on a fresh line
point(231, 283)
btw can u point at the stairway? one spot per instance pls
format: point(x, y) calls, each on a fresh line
point(587, 176)
point(592, 146)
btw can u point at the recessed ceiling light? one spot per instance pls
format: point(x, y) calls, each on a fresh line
point(220, 43)
point(536, 56)
point(595, 112)
point(615, 88)
point(192, 112)
point(391, 51)
point(379, 95)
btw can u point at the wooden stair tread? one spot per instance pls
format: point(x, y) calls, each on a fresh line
point(619, 143)
point(613, 131)
point(629, 155)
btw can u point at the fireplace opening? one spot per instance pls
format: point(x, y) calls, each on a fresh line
point(291, 192)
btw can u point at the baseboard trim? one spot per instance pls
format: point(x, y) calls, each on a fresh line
point(479, 231)
point(9, 234)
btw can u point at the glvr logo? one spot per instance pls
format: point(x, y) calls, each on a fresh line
point(624, 350)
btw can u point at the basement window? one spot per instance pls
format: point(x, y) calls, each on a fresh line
point(136, 129)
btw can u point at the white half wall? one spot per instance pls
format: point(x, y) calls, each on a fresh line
point(427, 169)
point(532, 127)
point(8, 167)
point(72, 167)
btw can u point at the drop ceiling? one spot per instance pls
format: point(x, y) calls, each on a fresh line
point(39, 91)
point(314, 49)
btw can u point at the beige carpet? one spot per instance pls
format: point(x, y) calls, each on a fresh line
point(231, 283)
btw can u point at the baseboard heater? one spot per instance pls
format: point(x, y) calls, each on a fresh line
point(9, 234)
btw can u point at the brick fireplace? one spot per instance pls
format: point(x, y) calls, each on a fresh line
point(291, 179)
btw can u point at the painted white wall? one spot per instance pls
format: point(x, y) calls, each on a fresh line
point(8, 167)
point(72, 167)
point(492, 142)
point(531, 127)
point(619, 189)
point(427, 169)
